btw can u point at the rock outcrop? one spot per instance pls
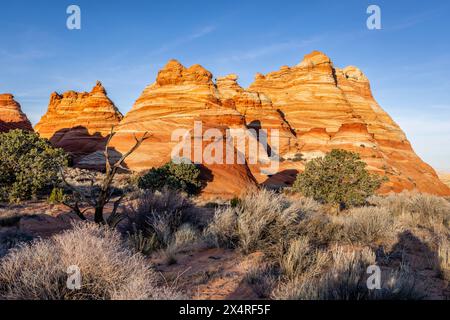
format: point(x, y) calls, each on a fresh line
point(330, 108)
point(179, 98)
point(11, 115)
point(312, 108)
point(79, 122)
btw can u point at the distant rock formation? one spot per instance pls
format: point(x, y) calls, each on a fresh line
point(11, 115)
point(331, 108)
point(79, 122)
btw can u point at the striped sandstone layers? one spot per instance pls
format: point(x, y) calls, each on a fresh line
point(179, 97)
point(79, 122)
point(11, 115)
point(332, 108)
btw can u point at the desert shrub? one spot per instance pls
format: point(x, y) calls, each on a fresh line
point(222, 230)
point(321, 229)
point(109, 270)
point(184, 239)
point(183, 176)
point(301, 258)
point(142, 244)
point(28, 165)
point(422, 208)
point(367, 225)
point(159, 214)
point(56, 196)
point(444, 258)
point(346, 280)
point(340, 178)
point(185, 236)
point(262, 278)
point(234, 202)
point(261, 220)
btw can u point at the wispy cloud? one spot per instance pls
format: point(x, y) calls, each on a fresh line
point(412, 21)
point(185, 39)
point(26, 56)
point(268, 50)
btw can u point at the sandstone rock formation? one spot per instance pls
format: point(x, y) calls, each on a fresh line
point(179, 97)
point(11, 115)
point(314, 106)
point(445, 178)
point(332, 108)
point(79, 122)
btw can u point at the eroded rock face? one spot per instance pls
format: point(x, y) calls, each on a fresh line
point(331, 108)
point(180, 97)
point(315, 107)
point(11, 115)
point(79, 122)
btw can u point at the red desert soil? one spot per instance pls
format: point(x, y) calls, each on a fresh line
point(211, 274)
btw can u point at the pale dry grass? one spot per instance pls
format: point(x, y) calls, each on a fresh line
point(109, 270)
point(301, 258)
point(421, 209)
point(346, 280)
point(259, 220)
point(367, 225)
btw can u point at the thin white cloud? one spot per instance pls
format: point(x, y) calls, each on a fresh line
point(185, 39)
point(268, 50)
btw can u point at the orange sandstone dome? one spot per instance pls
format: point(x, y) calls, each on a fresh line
point(179, 97)
point(79, 122)
point(330, 108)
point(11, 115)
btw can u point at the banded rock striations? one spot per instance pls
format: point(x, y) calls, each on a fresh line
point(315, 107)
point(179, 97)
point(79, 122)
point(11, 115)
point(331, 108)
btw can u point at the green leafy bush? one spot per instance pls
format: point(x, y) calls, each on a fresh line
point(28, 165)
point(183, 177)
point(340, 178)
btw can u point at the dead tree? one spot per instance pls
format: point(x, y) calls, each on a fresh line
point(98, 199)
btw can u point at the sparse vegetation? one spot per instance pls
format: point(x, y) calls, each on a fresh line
point(109, 269)
point(99, 197)
point(181, 177)
point(28, 165)
point(368, 225)
point(303, 251)
point(340, 178)
point(260, 220)
point(56, 196)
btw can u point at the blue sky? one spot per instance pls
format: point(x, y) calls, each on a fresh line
point(124, 44)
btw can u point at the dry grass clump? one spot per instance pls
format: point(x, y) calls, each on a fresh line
point(302, 258)
point(423, 209)
point(367, 225)
point(222, 231)
point(263, 279)
point(346, 280)
point(159, 219)
point(108, 269)
point(259, 220)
